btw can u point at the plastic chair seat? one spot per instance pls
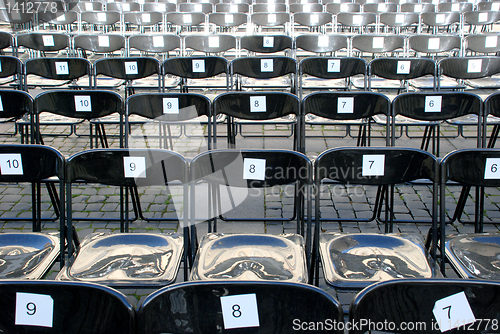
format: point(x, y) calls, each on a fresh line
point(273, 83)
point(358, 260)
point(126, 259)
point(317, 120)
point(381, 83)
point(251, 257)
point(485, 83)
point(319, 83)
point(213, 83)
point(475, 256)
point(27, 255)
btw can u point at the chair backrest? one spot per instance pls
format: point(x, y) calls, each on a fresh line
point(87, 104)
point(128, 68)
point(210, 44)
point(43, 41)
point(469, 67)
point(483, 43)
point(263, 67)
point(422, 305)
point(377, 44)
point(272, 307)
point(15, 104)
point(437, 105)
point(474, 167)
point(155, 43)
point(266, 43)
point(195, 67)
point(58, 68)
point(63, 307)
point(321, 43)
point(127, 167)
point(434, 43)
point(99, 43)
point(401, 68)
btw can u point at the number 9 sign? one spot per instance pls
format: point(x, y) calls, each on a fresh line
point(34, 309)
point(240, 311)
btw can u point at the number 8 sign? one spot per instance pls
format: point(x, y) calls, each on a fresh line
point(240, 311)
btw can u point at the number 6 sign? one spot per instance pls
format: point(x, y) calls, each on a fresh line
point(240, 311)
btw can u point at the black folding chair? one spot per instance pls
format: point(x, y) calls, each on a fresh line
point(426, 306)
point(267, 307)
point(353, 261)
point(64, 307)
point(128, 259)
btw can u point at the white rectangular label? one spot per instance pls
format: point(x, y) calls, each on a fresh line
point(345, 105)
point(433, 103)
point(134, 167)
point(373, 165)
point(333, 65)
point(101, 17)
point(474, 65)
point(233, 9)
point(356, 19)
point(258, 104)
point(492, 169)
point(62, 67)
point(89, 6)
point(455, 7)
point(187, 18)
point(268, 42)
point(158, 41)
point(344, 7)
point(378, 42)
point(314, 18)
point(1, 104)
point(11, 164)
point(198, 66)
point(495, 6)
point(229, 18)
point(126, 7)
point(381, 7)
point(403, 67)
point(272, 18)
point(433, 44)
point(418, 8)
point(103, 41)
point(198, 8)
point(400, 18)
point(48, 40)
point(34, 309)
point(61, 17)
point(271, 8)
point(323, 41)
point(482, 17)
point(440, 18)
point(170, 105)
point(453, 311)
point(254, 169)
point(266, 65)
point(213, 41)
point(131, 67)
point(240, 311)
point(83, 103)
point(146, 17)
point(490, 42)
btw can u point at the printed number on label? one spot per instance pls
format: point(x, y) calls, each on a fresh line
point(198, 66)
point(433, 103)
point(254, 169)
point(62, 68)
point(11, 164)
point(158, 42)
point(103, 41)
point(492, 169)
point(240, 311)
point(258, 104)
point(34, 309)
point(268, 42)
point(83, 103)
point(1, 104)
point(134, 167)
point(345, 105)
point(403, 67)
point(170, 105)
point(131, 68)
point(373, 165)
point(266, 65)
point(474, 65)
point(453, 311)
point(48, 40)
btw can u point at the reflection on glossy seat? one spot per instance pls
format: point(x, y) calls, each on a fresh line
point(251, 257)
point(27, 255)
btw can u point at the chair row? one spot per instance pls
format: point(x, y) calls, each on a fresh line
point(230, 174)
point(316, 109)
point(35, 45)
point(335, 19)
point(272, 307)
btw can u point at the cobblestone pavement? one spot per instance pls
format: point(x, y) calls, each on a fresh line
point(412, 202)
